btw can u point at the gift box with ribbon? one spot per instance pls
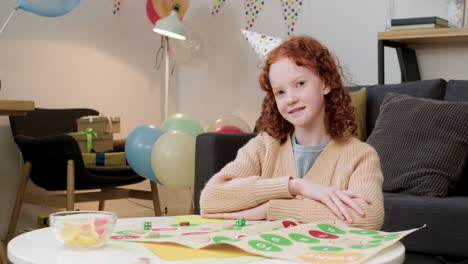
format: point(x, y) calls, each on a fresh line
point(106, 158)
point(100, 124)
point(89, 140)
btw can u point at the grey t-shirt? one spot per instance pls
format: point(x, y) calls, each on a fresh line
point(305, 155)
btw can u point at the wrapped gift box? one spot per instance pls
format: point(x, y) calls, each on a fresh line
point(100, 143)
point(100, 124)
point(105, 159)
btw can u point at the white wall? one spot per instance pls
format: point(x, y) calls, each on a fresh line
point(226, 79)
point(87, 58)
point(92, 58)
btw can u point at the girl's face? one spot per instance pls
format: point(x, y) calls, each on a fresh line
point(299, 94)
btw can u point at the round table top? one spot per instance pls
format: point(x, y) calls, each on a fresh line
point(41, 247)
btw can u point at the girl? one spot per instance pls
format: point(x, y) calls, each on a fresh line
point(305, 164)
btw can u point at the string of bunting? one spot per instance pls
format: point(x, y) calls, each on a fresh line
point(290, 10)
point(217, 5)
point(252, 9)
point(116, 6)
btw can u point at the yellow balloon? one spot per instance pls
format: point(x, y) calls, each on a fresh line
point(173, 159)
point(229, 120)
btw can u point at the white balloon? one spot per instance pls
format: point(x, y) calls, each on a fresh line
point(173, 159)
point(229, 120)
point(188, 51)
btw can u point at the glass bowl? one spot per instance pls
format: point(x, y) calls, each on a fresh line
point(83, 228)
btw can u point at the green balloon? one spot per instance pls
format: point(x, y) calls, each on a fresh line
point(182, 122)
point(173, 159)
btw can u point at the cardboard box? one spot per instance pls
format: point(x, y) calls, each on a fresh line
point(103, 142)
point(100, 124)
point(105, 159)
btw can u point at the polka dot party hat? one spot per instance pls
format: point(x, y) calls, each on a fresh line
point(261, 43)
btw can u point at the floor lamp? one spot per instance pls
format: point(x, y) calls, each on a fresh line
point(169, 27)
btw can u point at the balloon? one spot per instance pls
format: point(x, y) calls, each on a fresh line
point(229, 120)
point(138, 148)
point(229, 129)
point(182, 122)
point(164, 7)
point(188, 51)
point(151, 13)
point(48, 8)
point(173, 159)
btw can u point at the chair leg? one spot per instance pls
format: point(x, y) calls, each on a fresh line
point(19, 202)
point(3, 259)
point(192, 202)
point(70, 185)
point(155, 194)
point(102, 204)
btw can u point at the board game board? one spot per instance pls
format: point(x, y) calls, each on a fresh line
point(284, 239)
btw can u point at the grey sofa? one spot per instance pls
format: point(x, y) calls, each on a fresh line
point(444, 240)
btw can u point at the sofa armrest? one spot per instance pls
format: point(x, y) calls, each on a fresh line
point(212, 152)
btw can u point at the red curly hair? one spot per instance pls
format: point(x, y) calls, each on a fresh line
point(308, 52)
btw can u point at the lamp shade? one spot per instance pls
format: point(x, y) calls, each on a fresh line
point(171, 26)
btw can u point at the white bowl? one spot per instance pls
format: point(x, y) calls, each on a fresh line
point(83, 228)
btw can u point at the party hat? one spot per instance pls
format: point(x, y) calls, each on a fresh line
point(261, 43)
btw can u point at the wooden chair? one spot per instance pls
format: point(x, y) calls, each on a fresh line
point(53, 161)
point(3, 259)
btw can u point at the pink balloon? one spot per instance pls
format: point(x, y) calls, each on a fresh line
point(151, 12)
point(228, 129)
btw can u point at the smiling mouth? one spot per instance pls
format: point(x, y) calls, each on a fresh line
point(296, 110)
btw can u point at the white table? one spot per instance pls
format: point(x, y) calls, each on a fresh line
point(41, 247)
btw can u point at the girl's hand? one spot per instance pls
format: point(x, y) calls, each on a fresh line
point(330, 196)
point(254, 213)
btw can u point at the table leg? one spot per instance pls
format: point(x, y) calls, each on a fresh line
point(381, 61)
point(406, 58)
point(408, 64)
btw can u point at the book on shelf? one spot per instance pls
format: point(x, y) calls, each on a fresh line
point(416, 26)
point(419, 21)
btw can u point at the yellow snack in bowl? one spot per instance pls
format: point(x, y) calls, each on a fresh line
point(79, 235)
point(68, 234)
point(82, 240)
point(83, 228)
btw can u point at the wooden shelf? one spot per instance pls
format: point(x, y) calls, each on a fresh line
point(13, 107)
point(437, 35)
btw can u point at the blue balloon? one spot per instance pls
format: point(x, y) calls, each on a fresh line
point(138, 148)
point(48, 8)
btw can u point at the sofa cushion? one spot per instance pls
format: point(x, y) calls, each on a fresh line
point(460, 187)
point(422, 144)
point(433, 89)
point(456, 91)
point(446, 218)
point(358, 100)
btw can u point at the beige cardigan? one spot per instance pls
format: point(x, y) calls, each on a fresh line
point(262, 169)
